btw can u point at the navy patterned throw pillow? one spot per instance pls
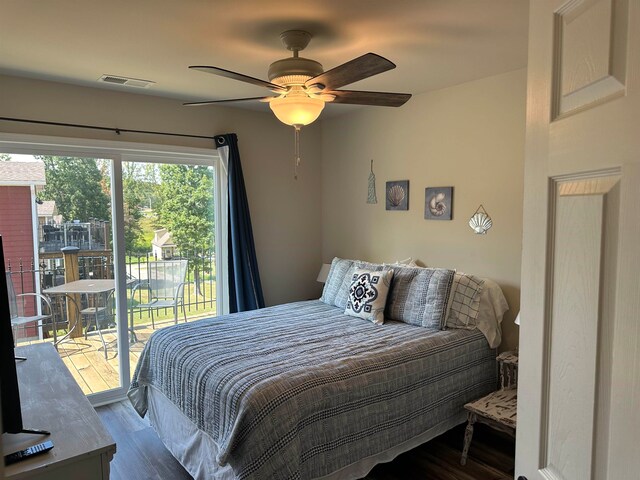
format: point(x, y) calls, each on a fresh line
point(368, 294)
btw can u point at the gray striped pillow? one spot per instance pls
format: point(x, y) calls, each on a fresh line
point(336, 288)
point(419, 296)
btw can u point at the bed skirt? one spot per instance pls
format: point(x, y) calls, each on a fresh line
point(197, 451)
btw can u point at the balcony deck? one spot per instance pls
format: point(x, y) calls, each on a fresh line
point(85, 358)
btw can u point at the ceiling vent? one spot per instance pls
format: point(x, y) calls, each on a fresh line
point(129, 82)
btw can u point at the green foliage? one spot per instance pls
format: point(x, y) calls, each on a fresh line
point(185, 209)
point(5, 157)
point(78, 186)
point(132, 197)
point(148, 225)
point(186, 205)
point(140, 190)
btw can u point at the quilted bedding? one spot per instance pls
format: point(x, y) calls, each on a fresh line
point(301, 390)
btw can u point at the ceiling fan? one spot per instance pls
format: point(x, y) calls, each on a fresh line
point(301, 87)
point(300, 81)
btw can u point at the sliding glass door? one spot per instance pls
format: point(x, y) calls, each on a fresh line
point(169, 230)
point(109, 247)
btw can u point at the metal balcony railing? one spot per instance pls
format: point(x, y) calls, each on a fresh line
point(90, 235)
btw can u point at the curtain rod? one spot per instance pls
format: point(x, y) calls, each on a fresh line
point(118, 131)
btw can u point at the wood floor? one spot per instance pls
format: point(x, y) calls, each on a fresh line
point(141, 455)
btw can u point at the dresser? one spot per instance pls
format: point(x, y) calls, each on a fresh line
point(52, 400)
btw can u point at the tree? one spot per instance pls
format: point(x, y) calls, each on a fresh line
point(186, 210)
point(133, 202)
point(140, 190)
point(76, 185)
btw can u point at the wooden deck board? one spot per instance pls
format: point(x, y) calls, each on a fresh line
point(85, 358)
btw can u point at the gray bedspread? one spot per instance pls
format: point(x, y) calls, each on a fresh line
point(298, 391)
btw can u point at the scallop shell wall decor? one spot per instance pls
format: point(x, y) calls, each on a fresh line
point(480, 221)
point(397, 195)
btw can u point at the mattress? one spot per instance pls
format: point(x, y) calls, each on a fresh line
point(303, 391)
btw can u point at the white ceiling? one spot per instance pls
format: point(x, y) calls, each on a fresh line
point(434, 43)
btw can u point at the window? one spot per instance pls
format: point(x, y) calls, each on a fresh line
point(146, 222)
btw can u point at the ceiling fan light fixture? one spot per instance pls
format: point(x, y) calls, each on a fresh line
point(296, 70)
point(290, 80)
point(297, 110)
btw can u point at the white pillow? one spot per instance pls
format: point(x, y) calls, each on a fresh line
point(368, 294)
point(493, 305)
point(407, 262)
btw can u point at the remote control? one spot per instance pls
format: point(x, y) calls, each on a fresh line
point(28, 452)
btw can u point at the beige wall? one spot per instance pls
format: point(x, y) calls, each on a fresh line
point(285, 212)
point(469, 136)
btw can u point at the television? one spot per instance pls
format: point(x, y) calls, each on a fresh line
point(9, 394)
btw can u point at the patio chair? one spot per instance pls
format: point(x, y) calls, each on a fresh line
point(17, 310)
point(165, 285)
point(99, 315)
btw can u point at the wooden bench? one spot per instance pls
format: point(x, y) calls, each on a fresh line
point(498, 409)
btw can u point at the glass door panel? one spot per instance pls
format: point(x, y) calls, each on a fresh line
point(169, 243)
point(59, 245)
point(59, 226)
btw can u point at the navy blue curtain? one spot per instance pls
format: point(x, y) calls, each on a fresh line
point(245, 289)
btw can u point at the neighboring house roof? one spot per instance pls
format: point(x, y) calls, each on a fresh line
point(22, 173)
point(162, 238)
point(47, 208)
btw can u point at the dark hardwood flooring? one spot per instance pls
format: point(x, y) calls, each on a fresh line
point(141, 455)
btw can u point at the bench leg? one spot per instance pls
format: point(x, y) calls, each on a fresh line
point(468, 435)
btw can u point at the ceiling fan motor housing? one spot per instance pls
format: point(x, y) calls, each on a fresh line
point(294, 71)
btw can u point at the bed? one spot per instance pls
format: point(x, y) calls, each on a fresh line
point(304, 391)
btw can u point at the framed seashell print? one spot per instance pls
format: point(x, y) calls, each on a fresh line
point(438, 203)
point(397, 195)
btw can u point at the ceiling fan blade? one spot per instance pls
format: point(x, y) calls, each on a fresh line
point(379, 99)
point(359, 68)
point(211, 102)
point(237, 76)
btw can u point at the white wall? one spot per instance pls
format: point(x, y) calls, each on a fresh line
point(285, 213)
point(469, 136)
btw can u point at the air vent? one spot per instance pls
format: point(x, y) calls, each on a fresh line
point(129, 82)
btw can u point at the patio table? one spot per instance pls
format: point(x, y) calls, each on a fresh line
point(85, 287)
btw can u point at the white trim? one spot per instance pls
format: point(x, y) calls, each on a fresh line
point(138, 152)
point(20, 183)
point(117, 229)
point(222, 231)
point(119, 152)
point(35, 224)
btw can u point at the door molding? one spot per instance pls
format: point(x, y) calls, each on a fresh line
point(586, 74)
point(584, 194)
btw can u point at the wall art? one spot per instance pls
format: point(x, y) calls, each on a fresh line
point(480, 221)
point(438, 203)
point(397, 195)
point(371, 193)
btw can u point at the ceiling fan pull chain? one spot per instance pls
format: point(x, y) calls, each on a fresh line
point(297, 151)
